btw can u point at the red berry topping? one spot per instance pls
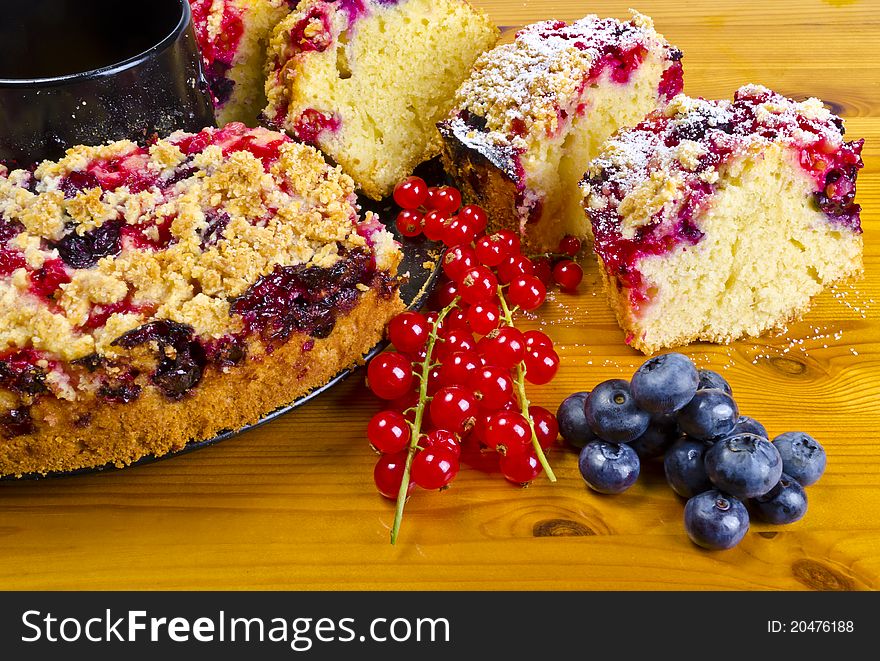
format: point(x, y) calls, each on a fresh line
point(444, 199)
point(442, 439)
point(411, 193)
point(433, 225)
point(474, 216)
point(507, 431)
point(504, 347)
point(569, 245)
point(389, 375)
point(456, 231)
point(409, 223)
point(457, 261)
point(409, 331)
point(483, 317)
point(515, 267)
point(520, 467)
point(492, 387)
point(453, 408)
point(568, 275)
point(546, 427)
point(434, 468)
point(478, 285)
point(541, 365)
point(388, 431)
point(527, 292)
point(388, 474)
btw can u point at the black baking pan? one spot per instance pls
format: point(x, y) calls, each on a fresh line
point(86, 72)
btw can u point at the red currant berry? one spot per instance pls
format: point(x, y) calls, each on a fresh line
point(452, 340)
point(442, 439)
point(390, 375)
point(543, 270)
point(520, 467)
point(527, 292)
point(568, 275)
point(388, 431)
point(458, 367)
point(541, 365)
point(457, 261)
point(492, 387)
point(434, 225)
point(411, 193)
point(475, 216)
point(483, 317)
point(478, 285)
point(504, 347)
point(456, 231)
point(535, 338)
point(453, 408)
point(546, 427)
point(388, 474)
point(445, 293)
point(456, 318)
point(444, 199)
point(510, 241)
point(434, 468)
point(409, 331)
point(513, 267)
point(409, 223)
point(434, 380)
point(507, 431)
point(569, 245)
point(405, 405)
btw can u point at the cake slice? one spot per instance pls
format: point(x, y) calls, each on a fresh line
point(716, 220)
point(534, 112)
point(367, 81)
point(150, 296)
point(232, 37)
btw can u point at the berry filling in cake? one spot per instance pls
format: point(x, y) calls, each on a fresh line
point(717, 219)
point(232, 37)
point(154, 295)
point(367, 80)
point(534, 112)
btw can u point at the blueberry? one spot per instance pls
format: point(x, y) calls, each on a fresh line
point(710, 380)
point(710, 415)
point(747, 425)
point(784, 503)
point(661, 433)
point(803, 458)
point(613, 414)
point(608, 467)
point(573, 422)
point(715, 520)
point(685, 468)
point(665, 383)
point(745, 466)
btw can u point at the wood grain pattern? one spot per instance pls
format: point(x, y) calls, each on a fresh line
point(291, 505)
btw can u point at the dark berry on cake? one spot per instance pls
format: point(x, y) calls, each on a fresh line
point(154, 295)
point(534, 112)
point(366, 80)
point(715, 220)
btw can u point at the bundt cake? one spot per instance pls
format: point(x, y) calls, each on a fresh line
point(366, 81)
point(154, 295)
point(715, 220)
point(233, 36)
point(534, 112)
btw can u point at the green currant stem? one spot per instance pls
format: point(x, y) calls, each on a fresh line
point(416, 424)
point(520, 383)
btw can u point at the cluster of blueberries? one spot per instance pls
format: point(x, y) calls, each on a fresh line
point(712, 456)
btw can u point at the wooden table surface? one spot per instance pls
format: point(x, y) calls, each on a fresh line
point(292, 505)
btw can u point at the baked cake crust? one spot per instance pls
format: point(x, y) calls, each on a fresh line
point(714, 220)
point(533, 112)
point(141, 287)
